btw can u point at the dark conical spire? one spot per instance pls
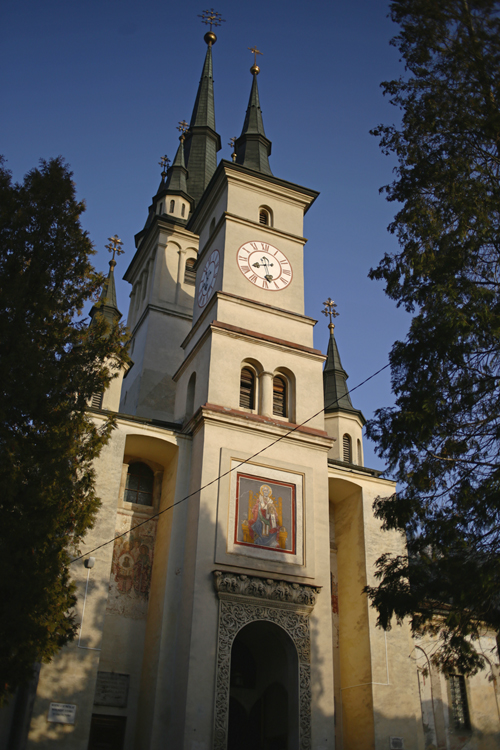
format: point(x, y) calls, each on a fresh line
point(252, 147)
point(335, 380)
point(202, 141)
point(107, 307)
point(177, 173)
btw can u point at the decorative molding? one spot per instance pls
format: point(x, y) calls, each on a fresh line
point(245, 599)
point(301, 596)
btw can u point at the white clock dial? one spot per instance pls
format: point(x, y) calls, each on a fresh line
point(264, 266)
point(208, 277)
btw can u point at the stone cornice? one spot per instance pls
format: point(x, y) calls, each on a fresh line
point(271, 591)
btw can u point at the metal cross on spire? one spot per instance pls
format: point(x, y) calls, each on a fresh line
point(114, 247)
point(164, 164)
point(255, 70)
point(255, 52)
point(211, 17)
point(330, 312)
point(183, 127)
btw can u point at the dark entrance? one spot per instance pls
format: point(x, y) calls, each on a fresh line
point(263, 703)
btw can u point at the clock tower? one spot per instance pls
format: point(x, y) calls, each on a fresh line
point(249, 380)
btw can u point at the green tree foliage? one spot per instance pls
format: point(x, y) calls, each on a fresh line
point(441, 439)
point(49, 367)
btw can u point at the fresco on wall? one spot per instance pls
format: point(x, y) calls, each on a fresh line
point(265, 514)
point(131, 568)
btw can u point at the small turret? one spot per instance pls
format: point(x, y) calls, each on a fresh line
point(172, 197)
point(342, 420)
point(252, 147)
point(106, 307)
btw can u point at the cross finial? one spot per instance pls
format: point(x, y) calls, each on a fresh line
point(114, 247)
point(255, 52)
point(164, 164)
point(211, 17)
point(232, 143)
point(182, 127)
point(255, 68)
point(330, 312)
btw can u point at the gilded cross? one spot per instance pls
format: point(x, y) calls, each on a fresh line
point(164, 164)
point(255, 52)
point(114, 246)
point(182, 127)
point(211, 17)
point(330, 312)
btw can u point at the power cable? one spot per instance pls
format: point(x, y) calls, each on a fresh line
point(221, 476)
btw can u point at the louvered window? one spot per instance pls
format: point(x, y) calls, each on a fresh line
point(189, 272)
point(263, 217)
point(459, 705)
point(247, 388)
point(346, 445)
point(172, 206)
point(360, 459)
point(183, 209)
point(139, 487)
point(96, 401)
point(279, 396)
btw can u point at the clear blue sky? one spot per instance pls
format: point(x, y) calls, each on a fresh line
point(104, 83)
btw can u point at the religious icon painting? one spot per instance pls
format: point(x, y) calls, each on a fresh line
point(266, 514)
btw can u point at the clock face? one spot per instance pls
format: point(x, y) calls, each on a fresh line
point(264, 266)
point(208, 278)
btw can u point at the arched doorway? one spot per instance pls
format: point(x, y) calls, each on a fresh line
point(264, 690)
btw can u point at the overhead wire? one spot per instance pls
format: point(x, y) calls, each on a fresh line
point(229, 471)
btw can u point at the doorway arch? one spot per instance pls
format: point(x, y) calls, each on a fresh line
point(263, 689)
point(245, 600)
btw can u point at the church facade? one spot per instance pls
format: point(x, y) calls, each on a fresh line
point(228, 611)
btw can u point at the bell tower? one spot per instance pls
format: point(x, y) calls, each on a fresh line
point(249, 380)
point(162, 270)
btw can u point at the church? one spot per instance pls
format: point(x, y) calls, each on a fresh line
point(227, 612)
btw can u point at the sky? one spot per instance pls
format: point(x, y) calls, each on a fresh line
point(104, 84)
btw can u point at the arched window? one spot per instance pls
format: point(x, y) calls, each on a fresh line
point(346, 446)
point(160, 207)
point(189, 272)
point(190, 395)
point(459, 707)
point(183, 209)
point(360, 457)
point(172, 206)
point(263, 217)
point(212, 225)
point(139, 487)
point(279, 396)
point(247, 388)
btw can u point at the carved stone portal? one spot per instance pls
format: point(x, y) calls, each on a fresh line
point(245, 599)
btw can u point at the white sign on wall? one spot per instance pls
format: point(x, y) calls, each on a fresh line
point(62, 713)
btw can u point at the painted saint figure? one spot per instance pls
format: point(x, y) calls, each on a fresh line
point(263, 523)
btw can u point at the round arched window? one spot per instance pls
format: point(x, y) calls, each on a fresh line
point(139, 487)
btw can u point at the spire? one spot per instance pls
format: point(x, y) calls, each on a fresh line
point(335, 389)
point(335, 380)
point(252, 147)
point(177, 173)
point(202, 141)
point(107, 307)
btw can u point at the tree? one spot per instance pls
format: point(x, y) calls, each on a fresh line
point(50, 365)
point(441, 439)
